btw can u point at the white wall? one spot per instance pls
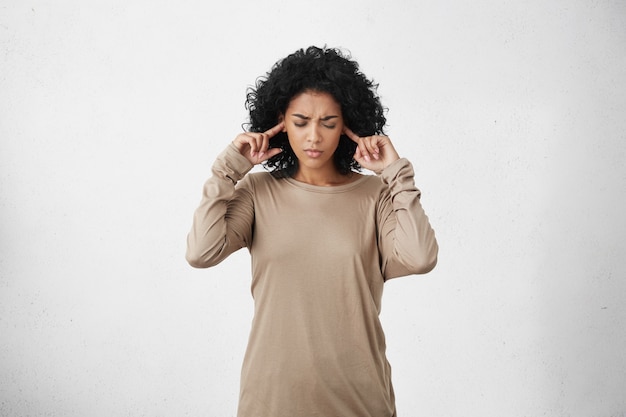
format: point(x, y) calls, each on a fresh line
point(111, 115)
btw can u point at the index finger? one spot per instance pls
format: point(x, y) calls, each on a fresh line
point(274, 130)
point(349, 133)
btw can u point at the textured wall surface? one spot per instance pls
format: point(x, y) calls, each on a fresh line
point(111, 115)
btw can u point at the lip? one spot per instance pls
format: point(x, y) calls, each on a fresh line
point(313, 153)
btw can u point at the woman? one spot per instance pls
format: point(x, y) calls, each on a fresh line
point(323, 238)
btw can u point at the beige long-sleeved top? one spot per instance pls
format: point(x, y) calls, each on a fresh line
point(320, 257)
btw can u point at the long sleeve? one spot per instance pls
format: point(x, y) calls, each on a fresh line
point(406, 239)
point(223, 221)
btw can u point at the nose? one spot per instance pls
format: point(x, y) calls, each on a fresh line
point(313, 135)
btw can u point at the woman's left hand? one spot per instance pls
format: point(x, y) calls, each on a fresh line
point(373, 152)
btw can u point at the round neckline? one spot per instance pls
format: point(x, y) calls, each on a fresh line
point(328, 189)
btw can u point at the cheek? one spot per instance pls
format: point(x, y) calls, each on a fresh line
point(293, 134)
point(335, 137)
point(292, 137)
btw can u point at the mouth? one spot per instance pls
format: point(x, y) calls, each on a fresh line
point(313, 153)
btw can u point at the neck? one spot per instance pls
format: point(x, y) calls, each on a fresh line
point(322, 178)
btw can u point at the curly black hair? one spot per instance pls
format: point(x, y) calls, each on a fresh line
point(325, 70)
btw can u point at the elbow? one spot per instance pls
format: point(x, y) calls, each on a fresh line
point(202, 255)
point(431, 258)
point(427, 265)
point(421, 266)
point(421, 260)
point(198, 259)
point(427, 260)
point(194, 260)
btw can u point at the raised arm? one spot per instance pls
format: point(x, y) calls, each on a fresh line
point(406, 239)
point(223, 221)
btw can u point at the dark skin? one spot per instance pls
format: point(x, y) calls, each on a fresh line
point(373, 152)
point(308, 121)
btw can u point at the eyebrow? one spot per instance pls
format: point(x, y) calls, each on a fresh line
point(323, 119)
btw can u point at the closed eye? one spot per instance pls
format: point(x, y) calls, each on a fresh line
point(302, 120)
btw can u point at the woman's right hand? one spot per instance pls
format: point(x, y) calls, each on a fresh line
point(255, 146)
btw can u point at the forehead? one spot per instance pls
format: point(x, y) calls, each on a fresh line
point(315, 103)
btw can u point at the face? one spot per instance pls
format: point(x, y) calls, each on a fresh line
point(314, 123)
